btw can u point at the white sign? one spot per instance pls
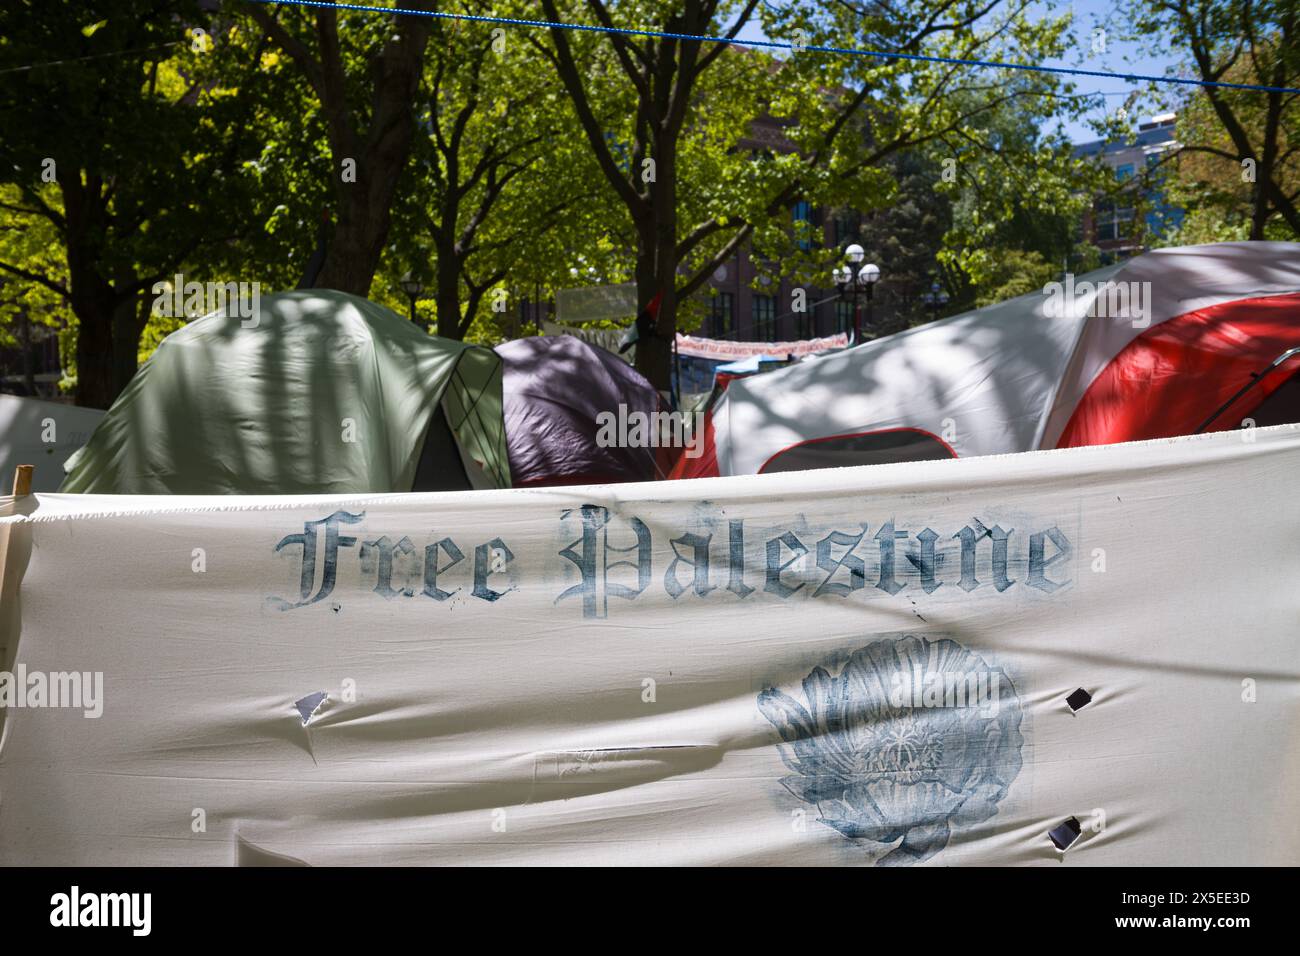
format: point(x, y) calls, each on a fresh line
point(596, 302)
point(1080, 657)
point(726, 350)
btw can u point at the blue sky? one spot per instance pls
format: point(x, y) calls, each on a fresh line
point(1118, 57)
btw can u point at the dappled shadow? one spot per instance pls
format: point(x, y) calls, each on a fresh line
point(326, 393)
point(555, 389)
point(982, 378)
point(1006, 378)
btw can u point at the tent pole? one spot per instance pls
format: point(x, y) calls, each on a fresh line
point(677, 376)
point(1255, 379)
point(23, 481)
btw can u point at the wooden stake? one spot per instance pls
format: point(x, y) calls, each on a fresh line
point(22, 481)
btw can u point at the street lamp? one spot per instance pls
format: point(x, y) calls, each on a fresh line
point(412, 287)
point(864, 279)
point(935, 298)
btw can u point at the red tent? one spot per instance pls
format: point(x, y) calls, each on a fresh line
point(1168, 343)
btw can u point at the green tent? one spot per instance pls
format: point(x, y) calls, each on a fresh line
point(322, 393)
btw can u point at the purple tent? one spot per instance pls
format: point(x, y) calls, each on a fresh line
point(553, 389)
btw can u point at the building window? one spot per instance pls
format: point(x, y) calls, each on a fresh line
point(765, 318)
point(803, 325)
point(846, 228)
point(1114, 222)
point(1124, 172)
point(721, 311)
point(803, 214)
point(843, 316)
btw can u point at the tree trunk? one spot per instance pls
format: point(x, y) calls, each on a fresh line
point(1259, 211)
point(129, 318)
point(654, 354)
point(448, 305)
point(29, 360)
point(447, 279)
point(108, 337)
point(657, 263)
point(95, 367)
point(353, 253)
point(380, 154)
point(89, 295)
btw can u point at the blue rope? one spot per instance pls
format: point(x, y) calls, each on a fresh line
point(772, 44)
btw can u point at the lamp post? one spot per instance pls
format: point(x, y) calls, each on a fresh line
point(412, 287)
point(858, 278)
point(935, 298)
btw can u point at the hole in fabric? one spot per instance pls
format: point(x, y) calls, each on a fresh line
point(1080, 698)
point(308, 706)
point(1065, 834)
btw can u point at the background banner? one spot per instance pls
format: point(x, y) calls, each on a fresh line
point(727, 350)
point(940, 663)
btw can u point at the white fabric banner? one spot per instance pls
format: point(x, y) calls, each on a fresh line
point(728, 350)
point(863, 666)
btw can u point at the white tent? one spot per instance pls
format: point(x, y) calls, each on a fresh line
point(1148, 348)
point(43, 434)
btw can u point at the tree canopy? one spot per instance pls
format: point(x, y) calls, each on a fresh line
point(286, 144)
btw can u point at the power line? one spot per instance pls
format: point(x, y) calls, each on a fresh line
point(93, 56)
point(776, 45)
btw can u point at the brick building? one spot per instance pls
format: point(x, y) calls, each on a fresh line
point(1120, 226)
point(737, 311)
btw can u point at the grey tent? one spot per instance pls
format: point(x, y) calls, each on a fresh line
point(322, 393)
